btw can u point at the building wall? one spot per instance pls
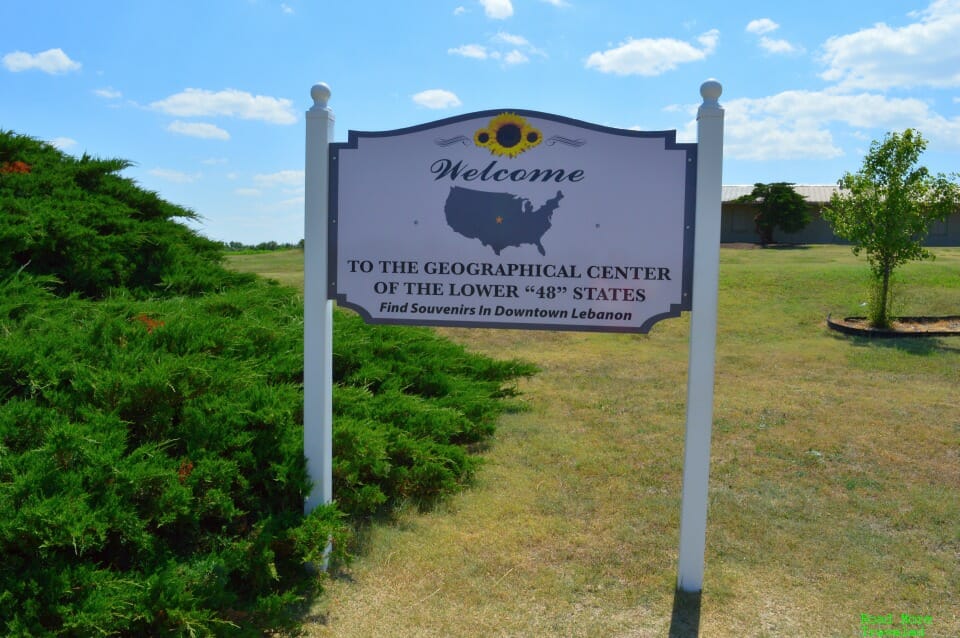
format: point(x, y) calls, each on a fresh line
point(946, 233)
point(736, 226)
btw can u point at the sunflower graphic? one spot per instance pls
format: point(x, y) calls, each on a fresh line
point(507, 134)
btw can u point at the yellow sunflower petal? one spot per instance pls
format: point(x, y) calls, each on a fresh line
point(507, 134)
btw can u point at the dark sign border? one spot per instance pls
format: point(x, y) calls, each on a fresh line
point(670, 143)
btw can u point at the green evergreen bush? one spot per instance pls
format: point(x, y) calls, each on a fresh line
point(152, 476)
point(151, 471)
point(80, 221)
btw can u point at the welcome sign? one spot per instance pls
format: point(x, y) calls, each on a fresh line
point(516, 219)
point(513, 219)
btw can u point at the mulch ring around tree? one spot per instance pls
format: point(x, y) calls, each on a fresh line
point(899, 327)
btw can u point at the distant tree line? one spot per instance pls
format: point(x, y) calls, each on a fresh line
point(236, 246)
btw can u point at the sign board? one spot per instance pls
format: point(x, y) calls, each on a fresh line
point(516, 219)
point(512, 219)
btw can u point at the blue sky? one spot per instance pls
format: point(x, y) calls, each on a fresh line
point(207, 97)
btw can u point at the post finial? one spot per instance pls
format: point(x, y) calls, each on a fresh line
point(710, 91)
point(320, 93)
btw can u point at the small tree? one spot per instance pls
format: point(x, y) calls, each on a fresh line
point(780, 206)
point(886, 209)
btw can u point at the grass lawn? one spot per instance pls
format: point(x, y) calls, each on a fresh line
point(285, 266)
point(835, 475)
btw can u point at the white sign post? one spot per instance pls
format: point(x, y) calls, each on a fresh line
point(703, 341)
point(317, 309)
point(516, 219)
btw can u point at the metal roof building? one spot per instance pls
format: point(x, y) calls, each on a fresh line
point(737, 225)
point(813, 193)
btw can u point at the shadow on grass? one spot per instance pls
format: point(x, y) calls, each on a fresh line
point(751, 245)
point(685, 619)
point(921, 346)
point(776, 246)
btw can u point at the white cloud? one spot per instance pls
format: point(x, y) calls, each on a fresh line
point(507, 48)
point(497, 9)
point(515, 57)
point(511, 39)
point(775, 46)
point(286, 8)
point(475, 51)
point(213, 161)
point(459, 11)
point(198, 129)
point(771, 45)
point(109, 93)
point(558, 3)
point(649, 56)
point(272, 185)
point(171, 175)
point(436, 99)
point(280, 178)
point(798, 124)
point(229, 102)
point(761, 26)
point(63, 143)
point(709, 40)
point(519, 42)
point(922, 53)
point(52, 61)
point(755, 135)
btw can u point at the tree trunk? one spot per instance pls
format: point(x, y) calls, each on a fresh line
point(881, 316)
point(764, 230)
point(767, 236)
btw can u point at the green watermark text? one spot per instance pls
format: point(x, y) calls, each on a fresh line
point(894, 625)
